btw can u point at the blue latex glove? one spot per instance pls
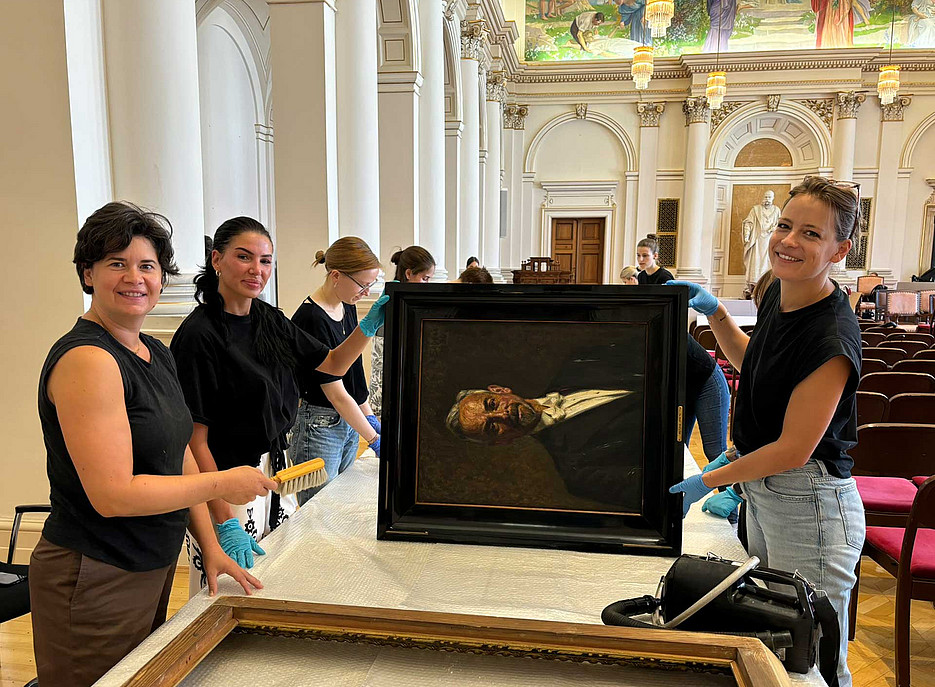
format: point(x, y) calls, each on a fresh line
point(699, 299)
point(376, 445)
point(375, 423)
point(723, 503)
point(373, 320)
point(237, 544)
point(693, 488)
point(718, 462)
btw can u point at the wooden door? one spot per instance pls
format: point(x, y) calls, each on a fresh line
point(578, 245)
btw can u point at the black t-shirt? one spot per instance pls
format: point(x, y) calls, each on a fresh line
point(160, 427)
point(313, 320)
point(784, 349)
point(660, 276)
point(247, 405)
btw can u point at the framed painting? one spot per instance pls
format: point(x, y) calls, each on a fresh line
point(247, 640)
point(534, 415)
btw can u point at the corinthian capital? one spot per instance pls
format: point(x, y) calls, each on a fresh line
point(894, 111)
point(650, 113)
point(696, 110)
point(472, 35)
point(849, 103)
point(514, 116)
point(496, 86)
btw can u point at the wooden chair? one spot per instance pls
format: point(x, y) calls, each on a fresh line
point(915, 365)
point(871, 407)
point(928, 354)
point(872, 338)
point(888, 354)
point(865, 286)
point(706, 339)
point(909, 556)
point(870, 365)
point(911, 347)
point(912, 336)
point(927, 307)
point(699, 329)
point(867, 324)
point(917, 408)
point(892, 383)
point(896, 304)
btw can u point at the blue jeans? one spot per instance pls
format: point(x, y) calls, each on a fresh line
point(321, 433)
point(711, 409)
point(808, 520)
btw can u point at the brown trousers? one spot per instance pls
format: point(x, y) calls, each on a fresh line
point(87, 615)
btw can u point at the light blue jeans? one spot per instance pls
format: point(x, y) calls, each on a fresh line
point(711, 409)
point(322, 433)
point(808, 520)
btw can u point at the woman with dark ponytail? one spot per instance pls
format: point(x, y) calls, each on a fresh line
point(647, 257)
point(414, 265)
point(237, 359)
point(333, 411)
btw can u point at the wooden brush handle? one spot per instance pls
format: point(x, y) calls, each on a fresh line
point(299, 470)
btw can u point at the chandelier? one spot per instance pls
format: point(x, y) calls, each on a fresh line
point(659, 15)
point(715, 90)
point(888, 83)
point(641, 68)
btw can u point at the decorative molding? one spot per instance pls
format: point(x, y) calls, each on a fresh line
point(848, 104)
point(514, 116)
point(496, 86)
point(823, 107)
point(724, 111)
point(894, 111)
point(650, 113)
point(581, 111)
point(696, 110)
point(472, 37)
point(772, 102)
point(265, 133)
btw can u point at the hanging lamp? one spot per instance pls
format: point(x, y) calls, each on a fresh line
point(641, 69)
point(716, 87)
point(659, 15)
point(888, 83)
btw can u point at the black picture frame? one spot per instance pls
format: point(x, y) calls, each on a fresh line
point(611, 491)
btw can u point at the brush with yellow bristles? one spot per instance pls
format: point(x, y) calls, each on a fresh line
point(307, 475)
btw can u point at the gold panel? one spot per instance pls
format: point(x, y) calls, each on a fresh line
point(744, 197)
point(764, 152)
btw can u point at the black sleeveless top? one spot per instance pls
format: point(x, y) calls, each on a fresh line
point(160, 427)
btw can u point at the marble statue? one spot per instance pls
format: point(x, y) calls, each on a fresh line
point(757, 227)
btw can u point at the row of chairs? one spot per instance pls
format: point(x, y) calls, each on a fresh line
point(877, 337)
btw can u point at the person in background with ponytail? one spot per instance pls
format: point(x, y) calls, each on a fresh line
point(237, 358)
point(647, 256)
point(414, 265)
point(333, 410)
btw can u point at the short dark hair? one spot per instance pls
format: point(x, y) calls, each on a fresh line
point(471, 259)
point(111, 228)
point(475, 275)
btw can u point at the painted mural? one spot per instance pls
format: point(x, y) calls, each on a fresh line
point(592, 29)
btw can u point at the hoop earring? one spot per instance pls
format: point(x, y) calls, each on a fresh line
point(217, 273)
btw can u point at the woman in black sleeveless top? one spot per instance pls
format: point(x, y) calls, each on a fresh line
point(123, 482)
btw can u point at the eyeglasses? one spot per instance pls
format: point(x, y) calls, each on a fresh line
point(363, 287)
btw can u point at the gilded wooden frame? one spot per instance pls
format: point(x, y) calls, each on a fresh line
point(748, 660)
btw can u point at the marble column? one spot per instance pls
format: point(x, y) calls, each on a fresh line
point(844, 136)
point(650, 114)
point(151, 65)
point(696, 119)
point(453, 257)
point(358, 151)
point(882, 258)
point(302, 56)
point(432, 134)
point(514, 124)
point(496, 94)
point(471, 37)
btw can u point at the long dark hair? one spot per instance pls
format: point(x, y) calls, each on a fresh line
point(271, 335)
point(415, 258)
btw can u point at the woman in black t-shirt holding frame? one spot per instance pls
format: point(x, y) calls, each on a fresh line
point(237, 358)
point(795, 413)
point(333, 411)
point(123, 482)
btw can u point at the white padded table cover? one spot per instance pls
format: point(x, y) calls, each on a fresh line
point(328, 553)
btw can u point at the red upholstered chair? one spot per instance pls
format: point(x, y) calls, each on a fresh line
point(927, 308)
point(896, 304)
point(871, 407)
point(892, 383)
point(865, 286)
point(909, 556)
point(918, 408)
point(869, 365)
point(888, 354)
point(911, 347)
point(928, 354)
point(910, 336)
point(915, 365)
point(872, 338)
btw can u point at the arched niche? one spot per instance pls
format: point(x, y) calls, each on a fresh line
point(599, 118)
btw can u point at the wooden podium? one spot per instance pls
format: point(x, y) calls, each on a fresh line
point(542, 271)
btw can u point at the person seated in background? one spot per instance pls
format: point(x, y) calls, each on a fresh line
point(472, 262)
point(628, 275)
point(475, 275)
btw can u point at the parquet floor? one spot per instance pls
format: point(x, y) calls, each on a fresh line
point(870, 659)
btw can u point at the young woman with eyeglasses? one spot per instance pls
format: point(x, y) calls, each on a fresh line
point(333, 411)
point(795, 416)
point(237, 360)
